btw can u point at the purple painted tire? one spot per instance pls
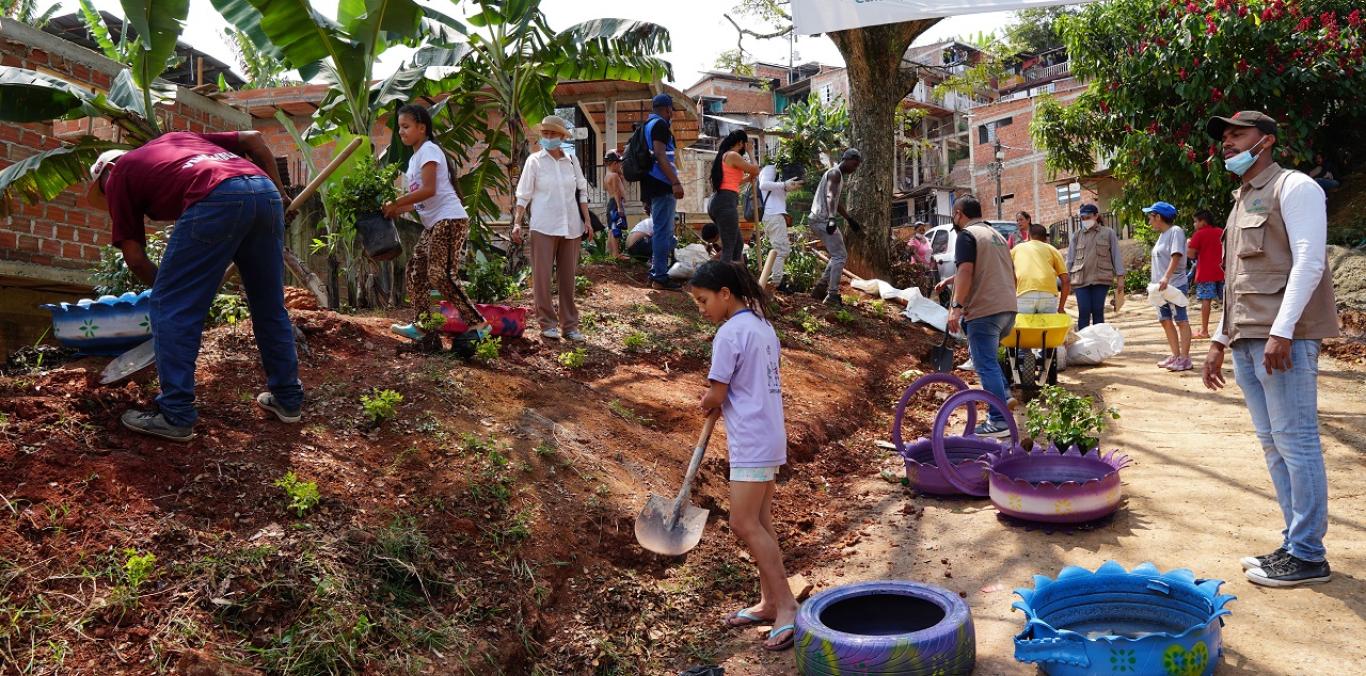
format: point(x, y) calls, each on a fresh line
point(971, 484)
point(968, 454)
point(890, 627)
point(1053, 487)
point(921, 383)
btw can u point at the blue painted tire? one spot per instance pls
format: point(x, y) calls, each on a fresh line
point(888, 628)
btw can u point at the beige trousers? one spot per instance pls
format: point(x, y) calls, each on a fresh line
point(562, 255)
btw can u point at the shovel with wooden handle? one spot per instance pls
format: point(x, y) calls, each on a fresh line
point(144, 355)
point(673, 527)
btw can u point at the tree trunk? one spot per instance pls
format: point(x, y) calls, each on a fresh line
point(877, 84)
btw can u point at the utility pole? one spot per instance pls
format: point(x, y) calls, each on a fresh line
point(998, 168)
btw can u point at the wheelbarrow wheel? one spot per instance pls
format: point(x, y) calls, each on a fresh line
point(1028, 368)
point(1053, 370)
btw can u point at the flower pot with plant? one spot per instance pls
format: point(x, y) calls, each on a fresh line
point(357, 198)
point(1066, 419)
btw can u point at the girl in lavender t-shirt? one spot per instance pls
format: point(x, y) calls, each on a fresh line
point(746, 387)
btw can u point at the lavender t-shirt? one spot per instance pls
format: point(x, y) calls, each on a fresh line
point(744, 356)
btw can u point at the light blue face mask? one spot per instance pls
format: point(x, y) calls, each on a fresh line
point(1240, 163)
point(551, 143)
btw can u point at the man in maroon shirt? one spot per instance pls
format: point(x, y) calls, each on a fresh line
point(226, 210)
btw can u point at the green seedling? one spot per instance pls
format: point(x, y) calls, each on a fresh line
point(635, 341)
point(138, 568)
point(627, 414)
point(381, 405)
point(431, 321)
point(303, 495)
point(878, 306)
point(488, 349)
point(574, 359)
point(582, 284)
point(807, 321)
point(844, 316)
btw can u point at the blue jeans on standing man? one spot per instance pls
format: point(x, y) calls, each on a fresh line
point(1285, 412)
point(984, 337)
point(662, 242)
point(242, 221)
point(1091, 304)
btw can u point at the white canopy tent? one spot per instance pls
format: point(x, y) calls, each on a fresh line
point(810, 17)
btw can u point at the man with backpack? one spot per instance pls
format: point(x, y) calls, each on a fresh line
point(650, 160)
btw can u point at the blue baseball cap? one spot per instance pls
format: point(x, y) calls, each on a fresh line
point(662, 101)
point(1162, 209)
point(1089, 210)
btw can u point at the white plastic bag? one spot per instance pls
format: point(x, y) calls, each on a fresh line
point(1170, 295)
point(1095, 344)
point(689, 259)
point(922, 309)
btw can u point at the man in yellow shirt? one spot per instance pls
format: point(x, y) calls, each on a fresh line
point(1038, 270)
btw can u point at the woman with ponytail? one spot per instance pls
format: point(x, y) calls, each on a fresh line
point(728, 171)
point(745, 385)
point(435, 263)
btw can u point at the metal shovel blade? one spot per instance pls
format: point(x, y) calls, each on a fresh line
point(658, 531)
point(672, 527)
point(941, 356)
point(128, 363)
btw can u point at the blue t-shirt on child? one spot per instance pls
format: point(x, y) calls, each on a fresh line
point(744, 356)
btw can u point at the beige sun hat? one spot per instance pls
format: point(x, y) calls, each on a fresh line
point(555, 124)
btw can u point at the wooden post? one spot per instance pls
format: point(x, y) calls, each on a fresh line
point(768, 268)
point(199, 78)
point(610, 143)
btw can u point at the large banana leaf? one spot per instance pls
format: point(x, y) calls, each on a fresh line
point(30, 96)
point(373, 22)
point(610, 49)
point(247, 20)
point(41, 177)
point(158, 24)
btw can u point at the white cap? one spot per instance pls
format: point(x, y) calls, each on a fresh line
point(103, 162)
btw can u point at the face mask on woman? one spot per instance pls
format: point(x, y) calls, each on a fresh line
point(551, 143)
point(1088, 223)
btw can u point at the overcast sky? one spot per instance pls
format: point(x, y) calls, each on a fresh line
point(698, 29)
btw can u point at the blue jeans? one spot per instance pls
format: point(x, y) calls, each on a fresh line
point(242, 221)
point(662, 242)
point(1285, 413)
point(984, 336)
point(1091, 304)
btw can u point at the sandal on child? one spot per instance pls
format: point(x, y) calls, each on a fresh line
point(783, 644)
point(744, 618)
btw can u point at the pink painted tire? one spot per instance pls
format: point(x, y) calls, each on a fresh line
point(1053, 487)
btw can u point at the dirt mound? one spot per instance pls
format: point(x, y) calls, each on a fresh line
point(300, 299)
point(1349, 276)
point(481, 526)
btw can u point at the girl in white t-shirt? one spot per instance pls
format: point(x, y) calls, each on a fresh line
point(435, 263)
point(745, 385)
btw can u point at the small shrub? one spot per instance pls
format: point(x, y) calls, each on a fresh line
point(574, 359)
point(802, 266)
point(489, 281)
point(1066, 419)
point(303, 495)
point(807, 321)
point(844, 316)
point(878, 307)
point(381, 405)
point(473, 443)
point(111, 274)
point(431, 321)
point(582, 284)
point(627, 414)
point(138, 568)
point(488, 349)
point(546, 450)
point(635, 341)
point(1136, 280)
point(228, 308)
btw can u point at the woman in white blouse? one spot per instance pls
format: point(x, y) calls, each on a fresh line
point(548, 188)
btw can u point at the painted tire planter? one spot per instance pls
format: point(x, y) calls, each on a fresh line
point(921, 471)
point(888, 627)
point(1114, 621)
point(1053, 487)
point(972, 481)
point(108, 325)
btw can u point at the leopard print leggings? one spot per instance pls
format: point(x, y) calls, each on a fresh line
point(435, 264)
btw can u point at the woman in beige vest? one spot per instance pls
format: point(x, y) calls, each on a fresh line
point(1093, 264)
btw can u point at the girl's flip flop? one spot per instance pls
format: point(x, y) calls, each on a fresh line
point(744, 618)
point(785, 643)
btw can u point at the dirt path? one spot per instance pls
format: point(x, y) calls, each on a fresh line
point(1199, 497)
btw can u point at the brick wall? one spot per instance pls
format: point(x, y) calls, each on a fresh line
point(1025, 176)
point(58, 240)
point(742, 96)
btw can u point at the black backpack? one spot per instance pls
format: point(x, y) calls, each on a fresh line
point(640, 155)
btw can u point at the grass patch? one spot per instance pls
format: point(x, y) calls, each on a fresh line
point(620, 409)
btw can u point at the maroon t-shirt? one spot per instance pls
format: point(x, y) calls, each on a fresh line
point(163, 178)
point(1208, 244)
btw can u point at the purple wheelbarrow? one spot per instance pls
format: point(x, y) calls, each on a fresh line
point(966, 457)
point(1055, 487)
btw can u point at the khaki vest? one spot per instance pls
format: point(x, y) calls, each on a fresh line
point(993, 274)
point(1093, 262)
point(1257, 266)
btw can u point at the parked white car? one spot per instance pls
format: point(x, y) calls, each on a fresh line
point(944, 240)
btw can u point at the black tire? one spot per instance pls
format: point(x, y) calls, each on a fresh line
point(1052, 378)
point(890, 627)
point(1028, 368)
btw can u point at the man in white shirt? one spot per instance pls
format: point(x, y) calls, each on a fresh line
point(1279, 308)
point(776, 220)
